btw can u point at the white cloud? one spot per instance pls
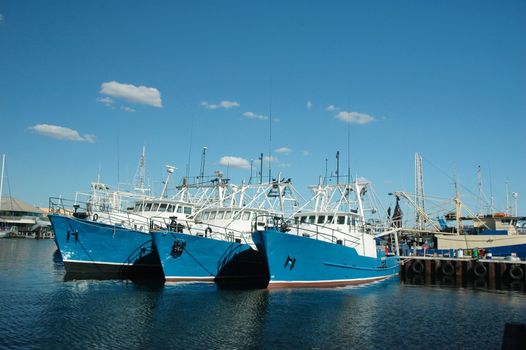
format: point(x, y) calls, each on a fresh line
point(223, 104)
point(283, 150)
point(271, 158)
point(251, 115)
point(128, 109)
point(107, 101)
point(1, 18)
point(284, 165)
point(235, 162)
point(61, 133)
point(355, 117)
point(332, 108)
point(136, 94)
point(306, 153)
point(309, 104)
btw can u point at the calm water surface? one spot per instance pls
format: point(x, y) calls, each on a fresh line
point(40, 310)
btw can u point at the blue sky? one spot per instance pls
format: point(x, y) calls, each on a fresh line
point(84, 85)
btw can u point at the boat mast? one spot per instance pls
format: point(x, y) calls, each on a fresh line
point(337, 167)
point(515, 196)
point(2, 180)
point(419, 191)
point(458, 205)
point(140, 174)
point(203, 158)
point(170, 169)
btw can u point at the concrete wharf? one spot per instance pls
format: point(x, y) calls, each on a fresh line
point(492, 273)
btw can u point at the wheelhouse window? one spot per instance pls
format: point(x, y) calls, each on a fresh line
point(340, 220)
point(147, 206)
point(321, 219)
point(303, 219)
point(163, 206)
point(187, 210)
point(205, 215)
point(220, 215)
point(228, 215)
point(179, 209)
point(171, 208)
point(330, 219)
point(312, 219)
point(212, 215)
point(138, 207)
point(246, 215)
point(155, 206)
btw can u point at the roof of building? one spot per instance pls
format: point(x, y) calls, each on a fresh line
point(13, 204)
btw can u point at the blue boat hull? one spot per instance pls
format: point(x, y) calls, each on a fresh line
point(296, 261)
point(186, 257)
point(101, 250)
point(518, 249)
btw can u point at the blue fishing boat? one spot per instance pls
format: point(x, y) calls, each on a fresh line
point(197, 258)
point(109, 242)
point(95, 248)
point(331, 245)
point(218, 247)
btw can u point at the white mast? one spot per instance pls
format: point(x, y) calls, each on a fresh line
point(458, 204)
point(419, 191)
point(140, 174)
point(515, 196)
point(2, 180)
point(170, 169)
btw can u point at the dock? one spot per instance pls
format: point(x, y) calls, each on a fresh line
point(494, 273)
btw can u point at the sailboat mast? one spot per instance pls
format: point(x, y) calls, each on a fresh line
point(458, 204)
point(2, 180)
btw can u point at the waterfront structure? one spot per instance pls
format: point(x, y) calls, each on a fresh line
point(500, 233)
point(20, 219)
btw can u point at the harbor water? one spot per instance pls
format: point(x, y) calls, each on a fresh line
point(41, 309)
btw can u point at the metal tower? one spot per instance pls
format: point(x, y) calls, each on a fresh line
point(419, 191)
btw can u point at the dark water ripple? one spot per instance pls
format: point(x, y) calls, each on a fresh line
point(39, 310)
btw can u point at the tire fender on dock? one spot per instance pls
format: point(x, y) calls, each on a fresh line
point(516, 272)
point(417, 266)
point(480, 270)
point(448, 269)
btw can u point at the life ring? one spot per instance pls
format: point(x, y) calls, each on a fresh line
point(208, 231)
point(516, 272)
point(95, 217)
point(480, 270)
point(417, 267)
point(448, 269)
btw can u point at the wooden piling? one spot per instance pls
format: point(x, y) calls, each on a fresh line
point(491, 275)
point(458, 271)
point(428, 270)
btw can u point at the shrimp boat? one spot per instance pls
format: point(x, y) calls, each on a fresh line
point(219, 246)
point(330, 244)
point(99, 237)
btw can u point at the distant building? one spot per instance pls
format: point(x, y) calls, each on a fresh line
point(18, 218)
